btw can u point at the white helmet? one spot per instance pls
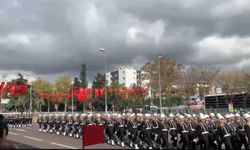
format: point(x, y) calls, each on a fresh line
point(171, 115)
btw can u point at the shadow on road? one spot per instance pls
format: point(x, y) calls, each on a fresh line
point(20, 145)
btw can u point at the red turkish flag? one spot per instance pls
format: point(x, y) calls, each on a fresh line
point(121, 93)
point(97, 93)
point(8, 88)
point(133, 92)
point(102, 92)
point(59, 97)
point(111, 92)
point(13, 90)
point(81, 94)
point(1, 87)
point(88, 91)
point(24, 89)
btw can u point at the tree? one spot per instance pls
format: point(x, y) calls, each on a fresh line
point(83, 76)
point(63, 86)
point(231, 83)
point(170, 73)
point(21, 103)
point(99, 81)
point(41, 86)
point(198, 80)
point(76, 82)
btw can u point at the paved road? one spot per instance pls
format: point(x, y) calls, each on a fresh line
point(30, 138)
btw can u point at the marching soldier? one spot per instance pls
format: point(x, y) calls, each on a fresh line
point(39, 121)
point(173, 130)
point(148, 131)
point(164, 128)
point(192, 126)
point(119, 125)
point(247, 126)
point(184, 132)
point(241, 131)
point(224, 133)
point(133, 130)
point(202, 130)
point(110, 130)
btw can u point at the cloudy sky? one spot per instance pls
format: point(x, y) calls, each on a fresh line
point(50, 38)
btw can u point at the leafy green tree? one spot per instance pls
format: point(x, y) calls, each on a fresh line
point(63, 86)
point(76, 82)
point(41, 86)
point(83, 76)
point(19, 103)
point(99, 81)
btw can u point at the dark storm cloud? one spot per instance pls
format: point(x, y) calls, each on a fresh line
point(52, 37)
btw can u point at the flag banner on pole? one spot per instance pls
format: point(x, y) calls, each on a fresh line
point(1, 87)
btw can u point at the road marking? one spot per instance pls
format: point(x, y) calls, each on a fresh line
point(32, 138)
point(64, 145)
point(13, 133)
point(20, 130)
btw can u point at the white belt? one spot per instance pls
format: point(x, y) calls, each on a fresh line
point(193, 130)
point(121, 126)
point(227, 135)
point(111, 125)
point(215, 130)
point(204, 132)
point(172, 129)
point(148, 128)
point(184, 131)
point(242, 129)
point(164, 129)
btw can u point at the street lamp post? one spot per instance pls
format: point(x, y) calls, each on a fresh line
point(159, 69)
point(72, 99)
point(106, 106)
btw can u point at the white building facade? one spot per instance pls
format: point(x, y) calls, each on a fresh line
point(125, 75)
point(129, 77)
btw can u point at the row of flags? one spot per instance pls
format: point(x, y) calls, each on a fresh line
point(83, 94)
point(13, 89)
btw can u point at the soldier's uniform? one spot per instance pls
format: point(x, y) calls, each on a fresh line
point(173, 130)
point(120, 128)
point(192, 124)
point(110, 130)
point(39, 121)
point(132, 126)
point(247, 126)
point(164, 128)
point(147, 125)
point(203, 132)
point(223, 131)
point(241, 131)
point(183, 131)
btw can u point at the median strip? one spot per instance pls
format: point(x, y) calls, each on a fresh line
point(64, 145)
point(32, 138)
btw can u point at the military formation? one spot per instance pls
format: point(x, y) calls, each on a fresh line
point(148, 131)
point(18, 120)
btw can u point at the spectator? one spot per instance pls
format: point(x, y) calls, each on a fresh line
point(3, 135)
point(3, 124)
